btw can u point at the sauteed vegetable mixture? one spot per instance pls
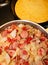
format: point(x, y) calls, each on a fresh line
point(23, 44)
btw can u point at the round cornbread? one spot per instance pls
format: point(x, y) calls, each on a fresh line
point(33, 10)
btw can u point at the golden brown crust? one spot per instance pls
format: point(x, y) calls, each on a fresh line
point(33, 10)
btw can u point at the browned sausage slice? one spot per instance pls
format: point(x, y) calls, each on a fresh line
point(24, 34)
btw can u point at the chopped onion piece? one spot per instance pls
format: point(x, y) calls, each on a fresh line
point(13, 33)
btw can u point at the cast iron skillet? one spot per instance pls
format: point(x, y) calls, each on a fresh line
point(2, 27)
point(13, 2)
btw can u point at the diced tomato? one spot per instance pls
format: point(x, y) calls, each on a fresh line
point(4, 33)
point(41, 51)
point(24, 52)
point(25, 62)
point(11, 52)
point(24, 34)
point(46, 61)
point(17, 60)
point(0, 50)
point(28, 40)
point(24, 28)
point(20, 46)
point(43, 38)
point(18, 57)
point(11, 40)
point(47, 52)
point(6, 48)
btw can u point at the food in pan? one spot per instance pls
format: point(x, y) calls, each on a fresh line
point(22, 44)
point(33, 10)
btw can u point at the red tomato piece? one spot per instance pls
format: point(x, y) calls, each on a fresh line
point(11, 40)
point(25, 62)
point(43, 38)
point(24, 28)
point(24, 34)
point(17, 60)
point(24, 52)
point(11, 52)
point(47, 52)
point(18, 57)
point(40, 51)
point(20, 46)
point(0, 50)
point(6, 48)
point(28, 40)
point(46, 61)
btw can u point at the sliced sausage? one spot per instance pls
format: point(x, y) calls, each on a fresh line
point(41, 51)
point(11, 52)
point(46, 61)
point(24, 34)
